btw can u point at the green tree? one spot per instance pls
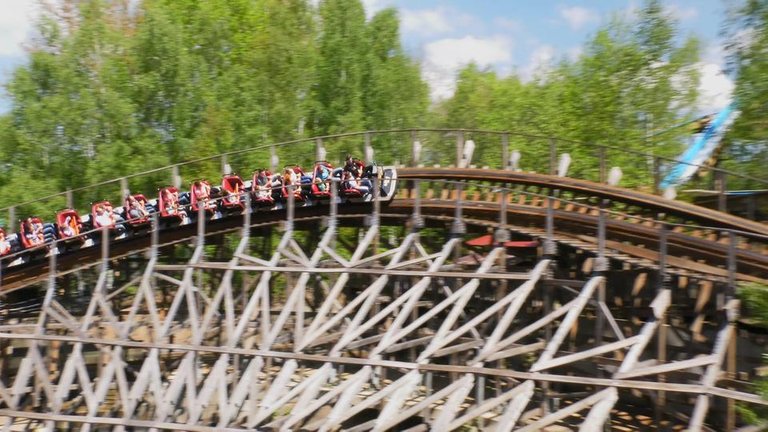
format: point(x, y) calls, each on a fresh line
point(747, 149)
point(756, 297)
point(342, 51)
point(633, 78)
point(394, 95)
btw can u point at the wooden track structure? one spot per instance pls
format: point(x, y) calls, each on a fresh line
point(409, 334)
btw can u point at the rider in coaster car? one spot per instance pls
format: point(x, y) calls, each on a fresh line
point(136, 208)
point(290, 177)
point(5, 245)
point(350, 165)
point(263, 185)
point(321, 176)
point(201, 190)
point(69, 228)
point(234, 195)
point(171, 205)
point(351, 182)
point(104, 216)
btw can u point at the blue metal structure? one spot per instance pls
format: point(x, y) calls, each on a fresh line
point(704, 144)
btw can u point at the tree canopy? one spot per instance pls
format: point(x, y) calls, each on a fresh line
point(115, 87)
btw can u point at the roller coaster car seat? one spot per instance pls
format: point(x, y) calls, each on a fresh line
point(354, 166)
point(5, 243)
point(293, 175)
point(200, 194)
point(69, 224)
point(103, 215)
point(168, 203)
point(321, 180)
point(135, 216)
point(33, 232)
point(232, 188)
point(351, 186)
point(261, 188)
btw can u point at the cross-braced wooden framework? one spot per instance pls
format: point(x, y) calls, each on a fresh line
point(327, 338)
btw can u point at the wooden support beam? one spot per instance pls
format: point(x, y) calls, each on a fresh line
point(667, 367)
point(600, 412)
point(712, 373)
point(522, 392)
point(569, 410)
point(602, 349)
point(568, 321)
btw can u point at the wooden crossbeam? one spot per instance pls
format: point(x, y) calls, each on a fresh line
point(570, 410)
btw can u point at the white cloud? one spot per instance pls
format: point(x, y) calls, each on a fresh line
point(577, 17)
point(373, 6)
point(715, 87)
point(16, 23)
point(427, 22)
point(443, 59)
point(575, 52)
point(539, 62)
point(683, 13)
point(434, 22)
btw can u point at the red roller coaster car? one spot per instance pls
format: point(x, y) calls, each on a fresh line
point(232, 188)
point(200, 196)
point(136, 213)
point(5, 244)
point(69, 224)
point(321, 180)
point(32, 233)
point(352, 187)
point(292, 175)
point(103, 215)
point(261, 187)
point(168, 203)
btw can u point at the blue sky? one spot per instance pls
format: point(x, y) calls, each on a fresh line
point(520, 36)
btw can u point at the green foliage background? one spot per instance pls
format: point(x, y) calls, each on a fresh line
point(114, 88)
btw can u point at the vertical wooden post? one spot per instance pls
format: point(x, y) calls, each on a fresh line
point(247, 215)
point(175, 177)
point(458, 228)
point(661, 283)
point(124, 190)
point(104, 249)
point(731, 290)
point(376, 202)
point(70, 199)
point(661, 346)
point(273, 159)
point(11, 228)
point(657, 175)
point(368, 150)
point(334, 210)
point(418, 221)
point(224, 165)
point(290, 210)
point(502, 234)
point(155, 235)
point(730, 420)
point(415, 149)
point(319, 149)
point(601, 228)
point(200, 225)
